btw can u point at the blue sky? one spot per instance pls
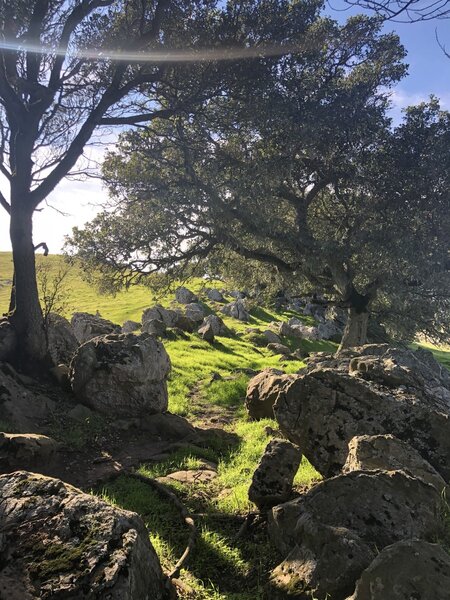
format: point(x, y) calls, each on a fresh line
point(429, 73)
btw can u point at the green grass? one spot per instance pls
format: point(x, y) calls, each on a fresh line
point(221, 568)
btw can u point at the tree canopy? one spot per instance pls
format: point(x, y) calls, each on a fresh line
point(306, 175)
point(71, 69)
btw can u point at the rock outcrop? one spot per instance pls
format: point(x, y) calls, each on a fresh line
point(404, 571)
point(165, 315)
point(22, 408)
point(262, 392)
point(368, 391)
point(195, 312)
point(86, 326)
point(184, 296)
point(123, 375)
point(386, 452)
point(218, 326)
point(237, 310)
point(62, 342)
point(206, 332)
point(272, 481)
point(333, 532)
point(214, 295)
point(58, 542)
point(130, 326)
point(26, 450)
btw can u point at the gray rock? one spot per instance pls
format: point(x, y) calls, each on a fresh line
point(218, 326)
point(207, 333)
point(86, 326)
point(328, 330)
point(26, 450)
point(23, 409)
point(324, 408)
point(273, 478)
point(167, 316)
point(195, 311)
point(237, 310)
point(130, 327)
point(272, 337)
point(214, 295)
point(406, 570)
point(62, 343)
point(317, 311)
point(386, 452)
point(168, 426)
point(370, 511)
point(185, 324)
point(154, 327)
point(185, 296)
point(326, 563)
point(279, 349)
point(262, 391)
point(238, 295)
point(59, 542)
point(122, 375)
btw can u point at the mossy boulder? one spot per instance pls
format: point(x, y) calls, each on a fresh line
point(58, 542)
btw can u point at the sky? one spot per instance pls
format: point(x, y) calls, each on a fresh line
point(74, 202)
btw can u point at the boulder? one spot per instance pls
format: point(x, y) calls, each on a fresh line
point(195, 312)
point(262, 391)
point(62, 343)
point(185, 323)
point(26, 451)
point(214, 295)
point(326, 564)
point(238, 295)
point(8, 340)
point(328, 330)
point(185, 296)
point(58, 542)
point(373, 452)
point(207, 333)
point(86, 326)
point(130, 327)
point(406, 570)
point(354, 515)
point(167, 316)
point(237, 310)
point(122, 375)
point(317, 311)
point(279, 349)
point(273, 478)
point(218, 326)
point(22, 409)
point(322, 409)
point(271, 337)
point(154, 327)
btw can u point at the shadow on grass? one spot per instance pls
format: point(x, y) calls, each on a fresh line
point(219, 563)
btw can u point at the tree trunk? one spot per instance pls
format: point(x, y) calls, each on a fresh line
point(26, 316)
point(355, 332)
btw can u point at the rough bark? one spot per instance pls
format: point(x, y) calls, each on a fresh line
point(26, 316)
point(355, 332)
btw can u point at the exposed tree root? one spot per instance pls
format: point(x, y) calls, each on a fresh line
point(187, 518)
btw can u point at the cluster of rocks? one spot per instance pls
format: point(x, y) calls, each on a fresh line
point(375, 423)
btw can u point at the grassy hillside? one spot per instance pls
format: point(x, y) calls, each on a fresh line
point(207, 385)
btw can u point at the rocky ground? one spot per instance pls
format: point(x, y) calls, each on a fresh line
point(373, 422)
